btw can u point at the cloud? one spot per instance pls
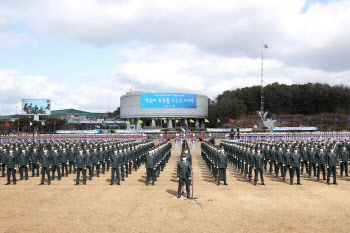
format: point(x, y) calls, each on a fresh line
point(182, 68)
point(63, 93)
point(317, 38)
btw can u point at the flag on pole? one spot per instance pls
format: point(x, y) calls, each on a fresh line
point(115, 123)
point(54, 123)
point(43, 123)
point(192, 121)
point(8, 125)
point(336, 119)
point(30, 123)
point(67, 123)
point(18, 123)
point(127, 122)
point(218, 120)
point(79, 123)
point(231, 120)
point(310, 119)
point(348, 118)
point(141, 121)
point(153, 121)
point(322, 119)
point(90, 123)
point(177, 121)
point(265, 46)
point(295, 119)
point(165, 121)
point(252, 121)
point(206, 121)
point(279, 119)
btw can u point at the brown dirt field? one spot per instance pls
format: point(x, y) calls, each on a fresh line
point(135, 207)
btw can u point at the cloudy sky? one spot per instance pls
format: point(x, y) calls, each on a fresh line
point(86, 54)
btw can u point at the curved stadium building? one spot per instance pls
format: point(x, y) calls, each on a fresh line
point(163, 110)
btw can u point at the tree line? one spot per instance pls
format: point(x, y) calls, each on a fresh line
point(280, 99)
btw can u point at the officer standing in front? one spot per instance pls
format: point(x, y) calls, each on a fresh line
point(183, 172)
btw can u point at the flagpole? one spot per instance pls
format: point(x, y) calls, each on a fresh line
point(262, 84)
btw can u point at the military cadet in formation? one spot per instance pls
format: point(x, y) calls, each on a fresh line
point(115, 165)
point(97, 161)
point(80, 166)
point(149, 167)
point(71, 157)
point(321, 157)
point(64, 160)
point(312, 160)
point(11, 166)
point(223, 161)
point(89, 161)
point(183, 174)
point(332, 163)
point(279, 160)
point(259, 166)
point(56, 164)
point(295, 165)
point(23, 163)
point(344, 160)
point(272, 157)
point(46, 162)
point(3, 159)
point(122, 164)
point(35, 162)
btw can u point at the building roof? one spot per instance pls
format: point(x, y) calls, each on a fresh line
point(68, 111)
point(12, 116)
point(96, 114)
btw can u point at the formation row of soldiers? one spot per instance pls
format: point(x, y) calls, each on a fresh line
point(82, 156)
point(290, 156)
point(156, 160)
point(216, 159)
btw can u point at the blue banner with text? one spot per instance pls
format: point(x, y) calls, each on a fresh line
point(168, 100)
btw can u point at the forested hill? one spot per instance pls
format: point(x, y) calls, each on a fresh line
point(281, 99)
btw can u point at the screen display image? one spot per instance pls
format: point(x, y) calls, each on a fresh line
point(36, 107)
point(168, 100)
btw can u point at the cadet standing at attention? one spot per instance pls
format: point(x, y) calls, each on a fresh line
point(183, 173)
point(223, 161)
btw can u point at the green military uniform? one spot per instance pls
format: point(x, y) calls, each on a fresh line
point(64, 160)
point(80, 164)
point(259, 167)
point(295, 164)
point(11, 166)
point(223, 161)
point(183, 172)
point(344, 161)
point(332, 163)
point(46, 161)
point(115, 165)
point(56, 164)
point(23, 163)
point(149, 167)
point(35, 162)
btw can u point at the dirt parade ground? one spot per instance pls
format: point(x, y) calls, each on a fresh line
point(135, 207)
